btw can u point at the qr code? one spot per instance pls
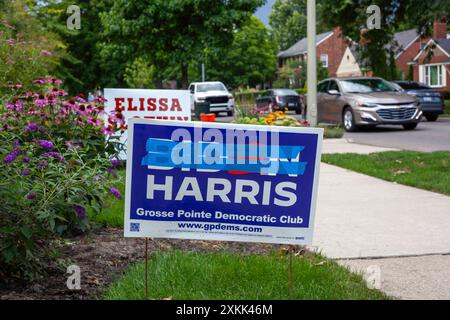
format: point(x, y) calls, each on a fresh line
point(135, 227)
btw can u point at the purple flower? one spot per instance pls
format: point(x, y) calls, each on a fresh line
point(115, 193)
point(31, 195)
point(25, 172)
point(54, 155)
point(26, 160)
point(40, 243)
point(42, 164)
point(40, 103)
point(115, 163)
point(32, 126)
point(10, 157)
point(80, 211)
point(48, 145)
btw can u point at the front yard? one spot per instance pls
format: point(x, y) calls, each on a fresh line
point(447, 108)
point(236, 276)
point(429, 171)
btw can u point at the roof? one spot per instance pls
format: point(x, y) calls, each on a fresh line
point(301, 46)
point(402, 40)
point(444, 44)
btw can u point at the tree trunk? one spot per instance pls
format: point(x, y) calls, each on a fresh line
point(184, 76)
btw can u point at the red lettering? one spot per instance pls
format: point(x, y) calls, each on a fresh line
point(130, 105)
point(175, 105)
point(151, 104)
point(163, 104)
point(141, 100)
point(119, 106)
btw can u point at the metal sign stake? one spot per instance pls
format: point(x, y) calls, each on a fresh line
point(146, 268)
point(290, 271)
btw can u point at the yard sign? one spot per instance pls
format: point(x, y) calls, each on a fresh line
point(148, 103)
point(214, 181)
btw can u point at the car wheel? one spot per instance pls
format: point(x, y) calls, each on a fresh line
point(348, 120)
point(432, 117)
point(230, 113)
point(410, 126)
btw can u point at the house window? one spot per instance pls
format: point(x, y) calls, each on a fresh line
point(324, 60)
point(434, 75)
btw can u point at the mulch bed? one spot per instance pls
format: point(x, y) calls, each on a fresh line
point(102, 257)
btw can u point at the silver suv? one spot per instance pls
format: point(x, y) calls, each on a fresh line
point(365, 101)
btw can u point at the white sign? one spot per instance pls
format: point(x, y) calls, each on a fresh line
point(148, 103)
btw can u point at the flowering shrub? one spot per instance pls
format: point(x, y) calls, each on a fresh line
point(57, 158)
point(23, 56)
point(276, 118)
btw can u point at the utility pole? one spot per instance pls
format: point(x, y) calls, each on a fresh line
point(203, 72)
point(312, 63)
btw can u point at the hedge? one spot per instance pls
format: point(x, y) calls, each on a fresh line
point(249, 97)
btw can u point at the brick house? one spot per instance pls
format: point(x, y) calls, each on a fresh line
point(335, 52)
point(407, 45)
point(432, 64)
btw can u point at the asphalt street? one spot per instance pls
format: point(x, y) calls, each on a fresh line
point(428, 136)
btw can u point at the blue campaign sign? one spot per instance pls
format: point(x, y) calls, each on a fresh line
point(215, 181)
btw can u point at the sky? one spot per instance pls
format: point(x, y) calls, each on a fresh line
point(263, 12)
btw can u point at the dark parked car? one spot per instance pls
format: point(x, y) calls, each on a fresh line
point(431, 100)
point(279, 99)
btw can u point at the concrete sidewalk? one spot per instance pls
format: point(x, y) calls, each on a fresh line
point(418, 278)
point(360, 216)
point(348, 146)
point(364, 222)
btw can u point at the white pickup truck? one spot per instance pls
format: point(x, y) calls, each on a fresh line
point(220, 100)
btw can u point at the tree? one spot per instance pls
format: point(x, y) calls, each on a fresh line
point(322, 73)
point(294, 74)
point(250, 60)
point(288, 22)
point(174, 32)
point(351, 15)
point(83, 67)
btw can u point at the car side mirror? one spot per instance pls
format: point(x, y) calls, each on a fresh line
point(334, 92)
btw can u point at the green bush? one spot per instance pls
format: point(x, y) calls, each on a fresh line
point(25, 54)
point(249, 97)
point(57, 157)
point(331, 132)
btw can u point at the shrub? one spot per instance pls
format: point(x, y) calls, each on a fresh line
point(57, 159)
point(331, 132)
point(249, 97)
point(276, 118)
point(25, 52)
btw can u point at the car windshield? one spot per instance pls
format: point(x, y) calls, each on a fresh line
point(285, 92)
point(413, 85)
point(210, 87)
point(366, 86)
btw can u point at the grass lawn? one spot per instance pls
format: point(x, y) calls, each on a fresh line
point(447, 108)
point(221, 275)
point(429, 171)
point(113, 215)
